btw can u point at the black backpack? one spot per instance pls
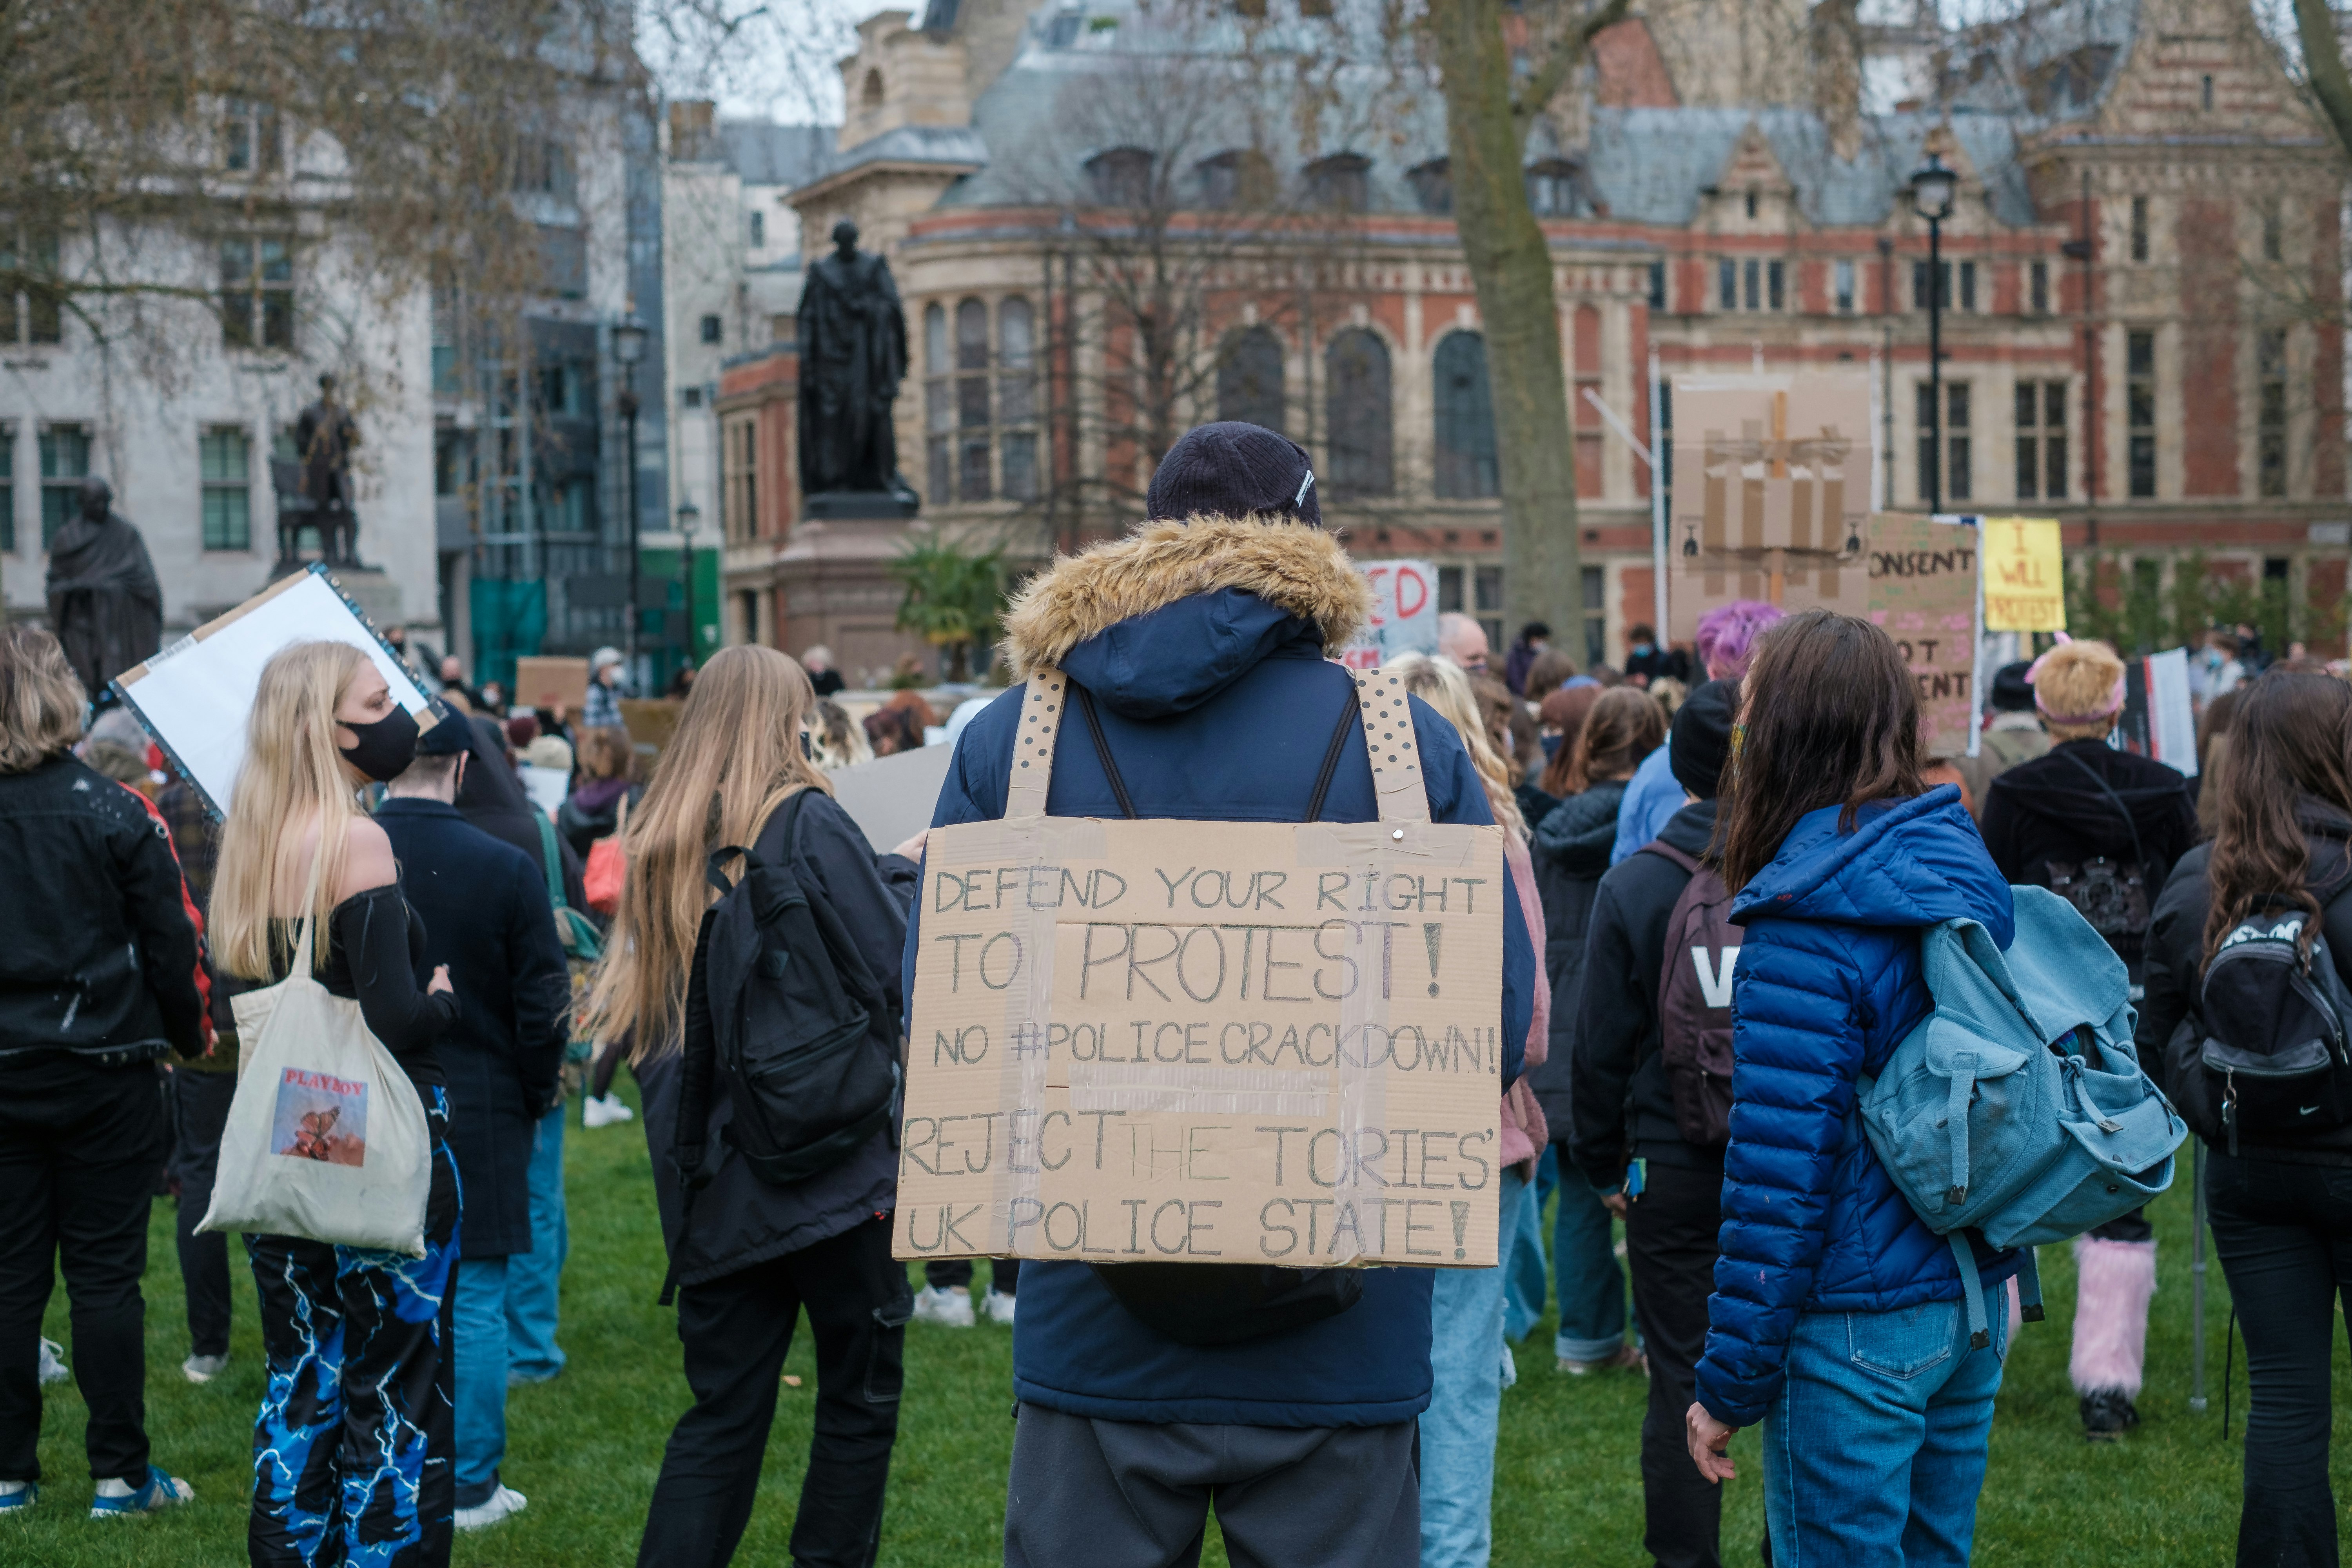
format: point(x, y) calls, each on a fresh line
point(2112, 896)
point(782, 1013)
point(1226, 1303)
point(2275, 1061)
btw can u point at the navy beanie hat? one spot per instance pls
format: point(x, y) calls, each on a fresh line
point(1701, 739)
point(2010, 694)
point(1233, 469)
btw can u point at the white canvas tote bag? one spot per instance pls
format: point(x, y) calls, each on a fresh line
point(325, 1137)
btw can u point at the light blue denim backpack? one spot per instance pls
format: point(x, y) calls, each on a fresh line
point(2019, 1107)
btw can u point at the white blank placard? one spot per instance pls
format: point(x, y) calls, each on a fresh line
point(195, 695)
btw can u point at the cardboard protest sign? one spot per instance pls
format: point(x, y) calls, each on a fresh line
point(193, 696)
point(552, 683)
point(651, 720)
point(1404, 614)
point(1238, 1042)
point(1923, 591)
point(1772, 494)
point(891, 798)
point(2026, 575)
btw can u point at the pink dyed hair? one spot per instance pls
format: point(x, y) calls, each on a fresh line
point(1727, 635)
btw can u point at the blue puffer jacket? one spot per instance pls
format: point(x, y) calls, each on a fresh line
point(1828, 984)
point(1202, 649)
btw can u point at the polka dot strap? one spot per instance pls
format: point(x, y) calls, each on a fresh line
point(1033, 749)
point(1395, 751)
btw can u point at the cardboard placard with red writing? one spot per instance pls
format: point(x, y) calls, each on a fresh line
point(1772, 494)
point(1218, 1042)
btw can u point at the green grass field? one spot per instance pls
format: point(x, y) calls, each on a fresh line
point(585, 1447)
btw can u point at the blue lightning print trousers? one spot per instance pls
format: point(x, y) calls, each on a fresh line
point(354, 1451)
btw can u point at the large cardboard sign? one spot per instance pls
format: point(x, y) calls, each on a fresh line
point(1772, 494)
point(2026, 575)
point(1923, 591)
point(193, 696)
point(1404, 614)
point(1255, 1043)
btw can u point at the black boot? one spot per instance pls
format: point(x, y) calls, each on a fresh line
point(2107, 1415)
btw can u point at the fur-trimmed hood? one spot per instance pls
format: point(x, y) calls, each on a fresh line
point(1298, 570)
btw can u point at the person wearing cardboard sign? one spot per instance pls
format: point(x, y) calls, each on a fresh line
point(100, 977)
point(352, 1449)
point(1837, 1317)
point(753, 903)
point(1147, 1391)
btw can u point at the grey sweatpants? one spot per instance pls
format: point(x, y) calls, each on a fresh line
point(1124, 1494)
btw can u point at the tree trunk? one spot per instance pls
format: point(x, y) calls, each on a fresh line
point(2323, 59)
point(1510, 265)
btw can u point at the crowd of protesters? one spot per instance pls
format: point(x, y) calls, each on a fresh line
point(1721, 861)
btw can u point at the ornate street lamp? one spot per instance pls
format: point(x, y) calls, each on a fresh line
point(629, 336)
point(1932, 189)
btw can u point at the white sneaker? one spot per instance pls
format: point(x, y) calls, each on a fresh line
point(53, 1361)
point(202, 1369)
point(502, 1502)
point(948, 1309)
point(607, 1112)
point(1000, 1307)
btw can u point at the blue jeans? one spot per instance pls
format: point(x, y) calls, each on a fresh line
point(1584, 1259)
point(531, 1353)
point(1874, 1447)
point(1465, 1403)
point(481, 1393)
point(1526, 1274)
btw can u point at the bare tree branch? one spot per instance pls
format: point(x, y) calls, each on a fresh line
point(1568, 51)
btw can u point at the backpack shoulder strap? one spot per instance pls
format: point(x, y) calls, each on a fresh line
point(2131, 824)
point(1666, 851)
point(552, 859)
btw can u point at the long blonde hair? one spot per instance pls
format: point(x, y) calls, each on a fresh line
point(1441, 683)
point(736, 756)
point(292, 775)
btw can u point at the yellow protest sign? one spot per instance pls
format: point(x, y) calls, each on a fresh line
point(2024, 575)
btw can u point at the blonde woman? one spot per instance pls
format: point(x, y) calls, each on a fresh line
point(1457, 1430)
point(352, 1452)
point(99, 978)
point(755, 1254)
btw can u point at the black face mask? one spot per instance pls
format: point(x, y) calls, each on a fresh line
point(386, 747)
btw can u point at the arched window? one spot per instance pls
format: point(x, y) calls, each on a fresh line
point(1120, 178)
point(1553, 188)
point(1341, 183)
point(1249, 379)
point(972, 401)
point(939, 405)
point(1016, 398)
point(870, 95)
point(1466, 419)
point(1356, 378)
point(1242, 179)
point(1433, 185)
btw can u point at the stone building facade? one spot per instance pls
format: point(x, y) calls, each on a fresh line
point(2141, 281)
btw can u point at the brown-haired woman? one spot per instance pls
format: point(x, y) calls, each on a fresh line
point(1571, 851)
point(756, 1254)
point(1836, 1319)
point(2280, 1202)
point(99, 977)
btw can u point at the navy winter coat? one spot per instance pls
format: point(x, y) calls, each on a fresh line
point(1218, 705)
point(1828, 984)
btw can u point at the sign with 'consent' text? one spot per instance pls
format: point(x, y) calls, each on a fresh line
point(1164, 1041)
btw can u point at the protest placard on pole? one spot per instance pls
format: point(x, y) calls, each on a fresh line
point(193, 697)
point(1923, 591)
point(2026, 575)
point(1236, 1042)
point(1404, 614)
point(1772, 494)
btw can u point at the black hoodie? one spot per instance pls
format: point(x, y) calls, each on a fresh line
point(1622, 1105)
point(2053, 810)
point(1570, 848)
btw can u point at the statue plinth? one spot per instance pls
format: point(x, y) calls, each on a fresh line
point(894, 506)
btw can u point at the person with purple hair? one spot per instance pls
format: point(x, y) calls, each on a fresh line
point(1726, 640)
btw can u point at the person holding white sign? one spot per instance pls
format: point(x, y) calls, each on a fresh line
point(353, 1449)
